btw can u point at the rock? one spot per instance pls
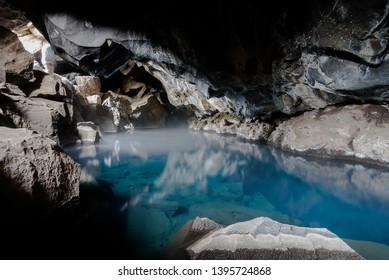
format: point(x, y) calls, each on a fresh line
point(36, 173)
point(11, 17)
point(48, 86)
point(262, 59)
point(247, 128)
point(264, 238)
point(49, 118)
point(15, 62)
point(48, 58)
point(356, 131)
point(88, 132)
point(189, 233)
point(94, 99)
point(96, 113)
point(148, 112)
point(120, 106)
point(87, 85)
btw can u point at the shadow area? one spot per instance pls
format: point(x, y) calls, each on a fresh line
point(91, 226)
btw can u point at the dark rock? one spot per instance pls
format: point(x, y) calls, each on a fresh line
point(15, 62)
point(148, 112)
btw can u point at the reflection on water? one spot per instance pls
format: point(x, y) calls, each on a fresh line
point(167, 177)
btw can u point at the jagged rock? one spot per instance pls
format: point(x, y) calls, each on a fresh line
point(88, 132)
point(53, 119)
point(31, 38)
point(15, 62)
point(100, 115)
point(263, 58)
point(35, 171)
point(148, 112)
point(189, 233)
point(12, 17)
point(264, 238)
point(233, 124)
point(48, 86)
point(356, 131)
point(121, 108)
point(87, 85)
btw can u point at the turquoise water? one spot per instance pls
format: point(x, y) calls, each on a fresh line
point(160, 179)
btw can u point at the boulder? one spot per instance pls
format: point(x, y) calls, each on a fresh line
point(88, 132)
point(87, 85)
point(356, 131)
point(15, 62)
point(148, 112)
point(264, 238)
point(189, 233)
point(96, 113)
point(53, 119)
point(36, 174)
point(120, 106)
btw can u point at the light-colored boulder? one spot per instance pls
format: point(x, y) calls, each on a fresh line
point(356, 131)
point(264, 238)
point(88, 132)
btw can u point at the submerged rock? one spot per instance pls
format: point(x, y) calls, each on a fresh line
point(264, 238)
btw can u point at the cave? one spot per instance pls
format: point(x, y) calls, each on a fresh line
point(112, 115)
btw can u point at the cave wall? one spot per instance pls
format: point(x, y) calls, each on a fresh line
point(242, 57)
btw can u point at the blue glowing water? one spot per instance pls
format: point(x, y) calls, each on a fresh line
point(166, 177)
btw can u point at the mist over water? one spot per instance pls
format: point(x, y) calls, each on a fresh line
point(163, 178)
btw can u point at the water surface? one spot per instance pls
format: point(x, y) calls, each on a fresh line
point(160, 179)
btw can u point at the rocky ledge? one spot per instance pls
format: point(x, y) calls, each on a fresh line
point(356, 132)
point(262, 238)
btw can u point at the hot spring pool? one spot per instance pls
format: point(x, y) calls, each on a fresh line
point(160, 179)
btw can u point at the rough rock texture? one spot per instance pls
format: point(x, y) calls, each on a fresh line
point(263, 238)
point(88, 132)
point(148, 112)
point(247, 128)
point(355, 131)
point(50, 118)
point(15, 62)
point(87, 85)
point(35, 171)
point(189, 233)
point(258, 57)
point(100, 115)
point(253, 60)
